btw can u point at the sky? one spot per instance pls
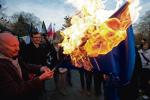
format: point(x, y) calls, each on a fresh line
point(53, 11)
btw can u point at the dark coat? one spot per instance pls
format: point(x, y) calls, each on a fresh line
point(51, 55)
point(12, 86)
point(35, 55)
point(44, 55)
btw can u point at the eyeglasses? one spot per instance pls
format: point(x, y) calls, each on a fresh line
point(37, 37)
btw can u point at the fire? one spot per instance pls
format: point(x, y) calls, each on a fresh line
point(93, 32)
point(105, 37)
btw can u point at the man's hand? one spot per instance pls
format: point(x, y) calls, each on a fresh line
point(45, 69)
point(46, 75)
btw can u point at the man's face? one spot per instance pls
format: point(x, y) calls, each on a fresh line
point(145, 46)
point(36, 39)
point(10, 46)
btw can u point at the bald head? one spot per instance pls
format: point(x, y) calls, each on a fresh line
point(9, 45)
point(5, 36)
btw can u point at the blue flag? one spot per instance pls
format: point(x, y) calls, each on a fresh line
point(120, 61)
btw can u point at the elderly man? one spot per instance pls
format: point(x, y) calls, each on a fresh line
point(14, 81)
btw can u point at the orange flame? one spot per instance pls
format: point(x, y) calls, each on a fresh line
point(90, 35)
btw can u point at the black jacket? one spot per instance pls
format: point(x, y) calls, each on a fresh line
point(13, 87)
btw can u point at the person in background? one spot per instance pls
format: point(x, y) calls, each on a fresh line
point(22, 46)
point(145, 55)
point(40, 51)
point(98, 79)
point(143, 40)
point(14, 81)
point(35, 52)
point(86, 80)
point(64, 70)
point(51, 57)
point(50, 52)
point(145, 58)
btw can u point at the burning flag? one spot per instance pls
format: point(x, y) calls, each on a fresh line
point(120, 61)
point(95, 34)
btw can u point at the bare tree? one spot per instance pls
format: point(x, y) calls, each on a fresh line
point(28, 17)
point(2, 8)
point(143, 27)
point(25, 23)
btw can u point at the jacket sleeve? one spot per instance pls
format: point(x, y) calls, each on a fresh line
point(11, 86)
point(32, 68)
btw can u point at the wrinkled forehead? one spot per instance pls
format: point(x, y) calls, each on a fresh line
point(8, 39)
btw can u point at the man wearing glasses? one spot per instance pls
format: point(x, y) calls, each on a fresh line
point(35, 52)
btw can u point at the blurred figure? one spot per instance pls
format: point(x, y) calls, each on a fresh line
point(50, 52)
point(86, 81)
point(143, 40)
point(22, 46)
point(64, 69)
point(62, 84)
point(145, 58)
point(14, 80)
point(98, 79)
point(82, 79)
point(145, 55)
point(88, 76)
point(44, 38)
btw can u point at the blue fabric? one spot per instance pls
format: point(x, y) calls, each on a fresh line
point(118, 64)
point(121, 60)
point(66, 63)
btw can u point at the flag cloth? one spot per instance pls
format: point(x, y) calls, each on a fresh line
point(53, 37)
point(44, 30)
point(27, 40)
point(36, 29)
point(50, 31)
point(120, 62)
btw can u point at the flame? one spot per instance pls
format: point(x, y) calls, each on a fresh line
point(93, 32)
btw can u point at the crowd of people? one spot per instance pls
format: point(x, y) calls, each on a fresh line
point(24, 68)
